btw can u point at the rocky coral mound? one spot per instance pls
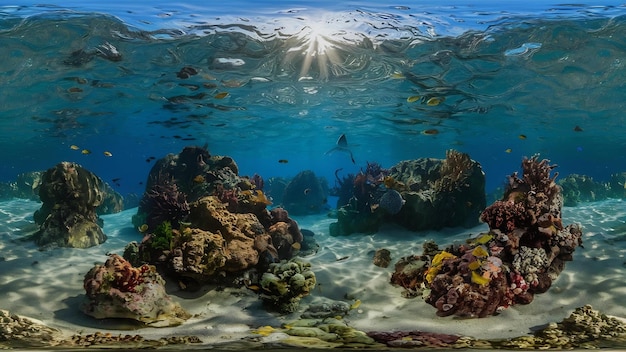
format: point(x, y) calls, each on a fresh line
point(68, 218)
point(285, 283)
point(417, 194)
point(522, 254)
point(203, 222)
point(119, 290)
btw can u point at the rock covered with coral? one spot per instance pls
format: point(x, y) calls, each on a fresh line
point(522, 254)
point(284, 284)
point(417, 194)
point(119, 290)
point(201, 221)
point(68, 218)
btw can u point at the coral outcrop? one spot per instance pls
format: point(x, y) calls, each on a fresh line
point(202, 222)
point(417, 194)
point(305, 194)
point(524, 251)
point(67, 217)
point(119, 290)
point(284, 284)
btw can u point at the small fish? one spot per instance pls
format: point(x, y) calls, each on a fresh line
point(434, 101)
point(86, 151)
point(578, 129)
point(221, 95)
point(307, 191)
point(198, 179)
point(115, 180)
point(296, 246)
point(74, 90)
point(74, 147)
point(342, 146)
point(356, 304)
point(107, 153)
point(283, 161)
point(413, 98)
point(255, 288)
point(508, 150)
point(143, 228)
point(397, 75)
point(522, 136)
point(431, 131)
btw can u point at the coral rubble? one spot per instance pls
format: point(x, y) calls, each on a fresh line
point(119, 290)
point(520, 256)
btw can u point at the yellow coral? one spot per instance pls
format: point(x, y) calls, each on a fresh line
point(435, 266)
point(479, 279)
point(480, 251)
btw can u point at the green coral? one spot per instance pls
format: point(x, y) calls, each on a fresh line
point(162, 236)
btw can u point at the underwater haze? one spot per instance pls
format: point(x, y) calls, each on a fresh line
point(284, 81)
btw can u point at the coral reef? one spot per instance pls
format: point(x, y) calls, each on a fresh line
point(414, 194)
point(204, 223)
point(285, 283)
point(305, 194)
point(520, 256)
point(119, 290)
point(67, 217)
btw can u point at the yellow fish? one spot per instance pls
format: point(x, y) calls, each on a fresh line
point(143, 228)
point(522, 136)
point(397, 75)
point(107, 153)
point(413, 98)
point(434, 101)
point(221, 95)
point(86, 151)
point(296, 246)
point(508, 150)
point(480, 251)
point(74, 147)
point(356, 304)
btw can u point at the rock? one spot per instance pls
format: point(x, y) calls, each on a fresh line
point(382, 258)
point(305, 194)
point(67, 218)
point(119, 290)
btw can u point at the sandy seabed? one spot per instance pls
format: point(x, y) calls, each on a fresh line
point(48, 285)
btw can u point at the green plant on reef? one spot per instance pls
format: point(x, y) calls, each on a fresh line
point(162, 236)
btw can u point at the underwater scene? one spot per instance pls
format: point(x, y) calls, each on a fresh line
point(257, 175)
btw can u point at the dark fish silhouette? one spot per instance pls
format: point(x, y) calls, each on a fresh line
point(342, 146)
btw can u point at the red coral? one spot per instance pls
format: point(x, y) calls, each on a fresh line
point(116, 273)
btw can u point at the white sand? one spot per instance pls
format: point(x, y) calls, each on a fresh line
point(47, 285)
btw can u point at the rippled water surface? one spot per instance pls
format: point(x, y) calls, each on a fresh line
point(284, 82)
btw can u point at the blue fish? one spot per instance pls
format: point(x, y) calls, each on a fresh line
point(342, 146)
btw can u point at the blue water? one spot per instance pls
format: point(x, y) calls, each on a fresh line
point(515, 80)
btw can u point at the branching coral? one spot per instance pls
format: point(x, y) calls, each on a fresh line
point(454, 169)
point(520, 256)
point(164, 202)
